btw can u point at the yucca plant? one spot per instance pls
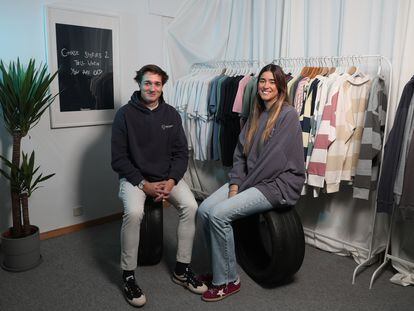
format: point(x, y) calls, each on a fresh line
point(24, 183)
point(24, 97)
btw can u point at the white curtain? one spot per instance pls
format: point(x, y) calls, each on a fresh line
point(263, 30)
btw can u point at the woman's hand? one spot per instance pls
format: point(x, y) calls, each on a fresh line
point(233, 190)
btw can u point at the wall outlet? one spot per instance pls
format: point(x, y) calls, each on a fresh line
point(77, 211)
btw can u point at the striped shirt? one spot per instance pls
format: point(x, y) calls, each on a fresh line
point(366, 173)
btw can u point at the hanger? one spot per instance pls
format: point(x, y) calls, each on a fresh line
point(298, 66)
point(305, 71)
point(331, 70)
point(314, 72)
point(324, 72)
point(358, 73)
point(379, 73)
point(229, 71)
point(351, 70)
point(325, 69)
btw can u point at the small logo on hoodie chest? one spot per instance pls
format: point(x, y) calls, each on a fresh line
point(166, 126)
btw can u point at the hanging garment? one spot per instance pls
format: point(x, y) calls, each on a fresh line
point(357, 94)
point(366, 173)
point(338, 137)
point(238, 101)
point(407, 195)
point(314, 118)
point(191, 96)
point(392, 150)
point(300, 94)
point(292, 87)
point(229, 121)
point(404, 152)
point(344, 151)
point(324, 133)
point(248, 98)
point(307, 111)
point(216, 125)
point(212, 109)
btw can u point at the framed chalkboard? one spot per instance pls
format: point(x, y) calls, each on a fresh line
point(84, 47)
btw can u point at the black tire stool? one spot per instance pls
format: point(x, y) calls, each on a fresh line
point(270, 246)
point(151, 234)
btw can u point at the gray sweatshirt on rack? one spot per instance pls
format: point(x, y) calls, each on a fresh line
point(275, 168)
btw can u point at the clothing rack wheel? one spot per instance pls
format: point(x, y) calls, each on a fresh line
point(151, 234)
point(270, 247)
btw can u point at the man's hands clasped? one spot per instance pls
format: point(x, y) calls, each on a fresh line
point(159, 190)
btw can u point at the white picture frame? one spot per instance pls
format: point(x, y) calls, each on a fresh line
point(74, 106)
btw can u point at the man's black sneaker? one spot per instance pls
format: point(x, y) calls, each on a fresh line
point(133, 294)
point(189, 280)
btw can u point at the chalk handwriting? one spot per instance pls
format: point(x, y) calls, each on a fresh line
point(65, 52)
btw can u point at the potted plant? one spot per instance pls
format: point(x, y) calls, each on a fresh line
point(24, 97)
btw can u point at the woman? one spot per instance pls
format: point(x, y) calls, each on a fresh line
point(268, 171)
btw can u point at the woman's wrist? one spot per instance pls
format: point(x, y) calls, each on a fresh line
point(233, 187)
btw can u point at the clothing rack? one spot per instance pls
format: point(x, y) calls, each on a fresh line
point(325, 61)
point(349, 61)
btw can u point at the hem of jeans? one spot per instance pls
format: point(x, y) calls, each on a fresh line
point(224, 283)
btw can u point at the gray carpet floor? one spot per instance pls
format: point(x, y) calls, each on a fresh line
point(80, 271)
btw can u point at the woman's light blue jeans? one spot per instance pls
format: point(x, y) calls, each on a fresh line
point(215, 215)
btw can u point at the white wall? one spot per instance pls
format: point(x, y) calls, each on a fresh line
point(80, 157)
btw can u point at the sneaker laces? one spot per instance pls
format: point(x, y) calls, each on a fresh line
point(191, 278)
point(133, 287)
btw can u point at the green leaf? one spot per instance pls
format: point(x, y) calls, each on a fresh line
point(7, 176)
point(27, 180)
point(8, 163)
point(24, 94)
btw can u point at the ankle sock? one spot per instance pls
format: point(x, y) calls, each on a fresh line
point(180, 268)
point(127, 273)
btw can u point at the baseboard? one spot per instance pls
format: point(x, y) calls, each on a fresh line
point(74, 228)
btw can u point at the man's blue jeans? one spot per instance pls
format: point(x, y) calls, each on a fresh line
point(215, 215)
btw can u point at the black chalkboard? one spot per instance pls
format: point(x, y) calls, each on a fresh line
point(85, 64)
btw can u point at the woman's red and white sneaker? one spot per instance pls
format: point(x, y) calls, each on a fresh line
point(216, 293)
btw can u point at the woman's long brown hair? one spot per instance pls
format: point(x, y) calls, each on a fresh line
point(259, 106)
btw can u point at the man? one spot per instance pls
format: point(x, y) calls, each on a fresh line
point(150, 155)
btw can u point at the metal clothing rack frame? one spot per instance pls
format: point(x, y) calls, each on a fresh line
point(323, 62)
point(388, 256)
point(225, 64)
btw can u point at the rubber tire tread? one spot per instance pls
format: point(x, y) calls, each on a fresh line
point(287, 243)
point(151, 234)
